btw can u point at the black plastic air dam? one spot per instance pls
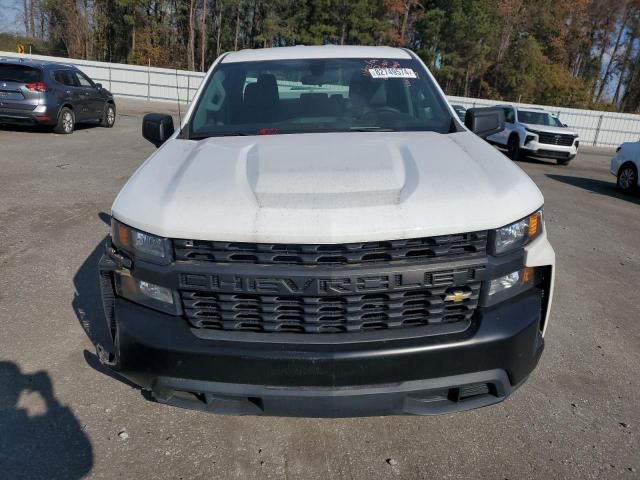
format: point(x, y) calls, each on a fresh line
point(422, 374)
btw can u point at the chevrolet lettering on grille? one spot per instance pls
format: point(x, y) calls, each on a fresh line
point(302, 285)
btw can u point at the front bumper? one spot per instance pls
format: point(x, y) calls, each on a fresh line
point(545, 150)
point(425, 370)
point(616, 163)
point(252, 373)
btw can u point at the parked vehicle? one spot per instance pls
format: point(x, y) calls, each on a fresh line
point(460, 111)
point(535, 132)
point(625, 165)
point(44, 93)
point(322, 236)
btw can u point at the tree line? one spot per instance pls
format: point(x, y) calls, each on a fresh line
point(580, 53)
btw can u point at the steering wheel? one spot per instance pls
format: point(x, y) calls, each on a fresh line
point(381, 109)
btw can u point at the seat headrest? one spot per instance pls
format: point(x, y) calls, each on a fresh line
point(263, 93)
point(251, 94)
point(268, 85)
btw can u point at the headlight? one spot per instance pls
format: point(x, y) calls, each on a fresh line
point(147, 293)
point(140, 244)
point(517, 234)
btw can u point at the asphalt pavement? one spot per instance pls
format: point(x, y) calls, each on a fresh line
point(62, 415)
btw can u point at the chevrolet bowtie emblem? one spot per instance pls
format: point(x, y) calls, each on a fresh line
point(457, 296)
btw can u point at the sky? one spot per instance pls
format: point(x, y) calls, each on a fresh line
point(10, 16)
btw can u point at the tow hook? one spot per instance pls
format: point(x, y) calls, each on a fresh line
point(120, 260)
point(105, 357)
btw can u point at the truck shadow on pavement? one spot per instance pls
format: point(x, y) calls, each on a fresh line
point(39, 437)
point(596, 186)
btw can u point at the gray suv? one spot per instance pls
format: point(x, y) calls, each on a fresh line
point(42, 93)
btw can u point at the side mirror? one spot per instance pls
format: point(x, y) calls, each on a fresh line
point(157, 127)
point(99, 86)
point(484, 121)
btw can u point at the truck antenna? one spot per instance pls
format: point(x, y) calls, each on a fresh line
point(178, 97)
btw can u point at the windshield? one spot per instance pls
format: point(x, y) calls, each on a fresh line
point(555, 121)
point(536, 118)
point(19, 73)
point(318, 95)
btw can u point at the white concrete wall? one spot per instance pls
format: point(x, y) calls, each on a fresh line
point(605, 129)
point(132, 80)
point(602, 129)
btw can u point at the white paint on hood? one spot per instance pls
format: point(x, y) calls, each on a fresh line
point(325, 188)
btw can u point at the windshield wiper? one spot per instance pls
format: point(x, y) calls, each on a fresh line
point(222, 134)
point(372, 129)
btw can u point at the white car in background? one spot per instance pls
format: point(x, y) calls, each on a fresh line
point(625, 166)
point(535, 132)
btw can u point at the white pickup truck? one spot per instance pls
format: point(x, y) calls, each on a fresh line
point(322, 236)
point(535, 132)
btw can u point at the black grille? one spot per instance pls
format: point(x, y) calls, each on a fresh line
point(427, 305)
point(554, 153)
point(467, 244)
point(556, 139)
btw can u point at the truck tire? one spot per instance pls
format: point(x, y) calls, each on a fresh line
point(108, 116)
point(513, 148)
point(627, 178)
point(66, 122)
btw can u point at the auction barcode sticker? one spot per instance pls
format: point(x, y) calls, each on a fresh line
point(392, 73)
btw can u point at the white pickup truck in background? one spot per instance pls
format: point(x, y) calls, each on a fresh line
point(535, 132)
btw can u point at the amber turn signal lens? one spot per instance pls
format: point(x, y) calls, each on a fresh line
point(123, 235)
point(534, 224)
point(527, 275)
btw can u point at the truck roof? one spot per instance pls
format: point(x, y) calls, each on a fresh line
point(325, 51)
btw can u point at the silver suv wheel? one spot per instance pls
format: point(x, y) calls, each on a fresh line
point(67, 122)
point(627, 178)
point(111, 115)
point(108, 116)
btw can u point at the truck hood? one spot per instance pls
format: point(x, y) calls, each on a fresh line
point(325, 188)
point(549, 129)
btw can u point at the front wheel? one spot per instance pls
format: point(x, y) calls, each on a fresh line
point(513, 148)
point(564, 162)
point(627, 178)
point(66, 122)
point(108, 116)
